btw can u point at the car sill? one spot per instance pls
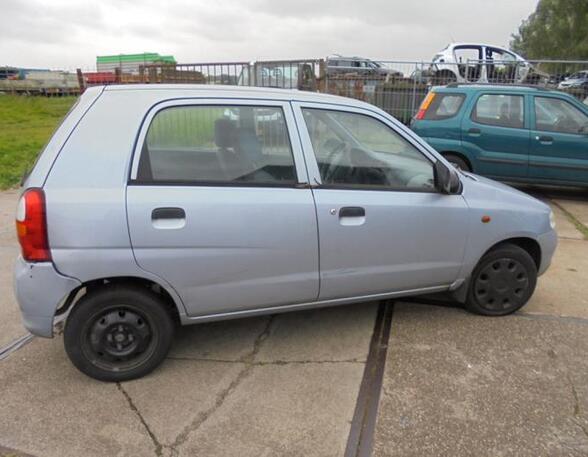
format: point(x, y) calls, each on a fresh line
point(186, 320)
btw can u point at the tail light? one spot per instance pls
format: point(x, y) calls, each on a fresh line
point(425, 105)
point(31, 226)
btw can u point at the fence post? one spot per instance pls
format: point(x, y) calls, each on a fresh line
point(117, 75)
point(414, 84)
point(81, 81)
point(323, 85)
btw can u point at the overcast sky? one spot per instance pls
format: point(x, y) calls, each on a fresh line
point(70, 33)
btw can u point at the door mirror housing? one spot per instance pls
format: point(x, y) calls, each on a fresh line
point(446, 179)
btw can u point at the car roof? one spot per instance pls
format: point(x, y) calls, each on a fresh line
point(465, 43)
point(220, 91)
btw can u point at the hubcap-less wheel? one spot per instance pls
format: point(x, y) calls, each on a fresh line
point(501, 285)
point(119, 338)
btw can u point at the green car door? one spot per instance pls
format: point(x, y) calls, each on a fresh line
point(559, 140)
point(496, 134)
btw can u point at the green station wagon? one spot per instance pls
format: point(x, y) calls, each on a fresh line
point(513, 133)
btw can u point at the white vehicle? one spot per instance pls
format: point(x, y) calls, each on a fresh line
point(474, 62)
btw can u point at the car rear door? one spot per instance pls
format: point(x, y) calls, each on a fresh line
point(218, 206)
point(382, 226)
point(496, 134)
point(559, 140)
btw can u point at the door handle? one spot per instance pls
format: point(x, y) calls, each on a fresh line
point(168, 213)
point(474, 132)
point(352, 211)
point(544, 139)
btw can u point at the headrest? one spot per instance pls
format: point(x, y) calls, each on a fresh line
point(225, 133)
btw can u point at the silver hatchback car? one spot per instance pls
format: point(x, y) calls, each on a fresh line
point(153, 205)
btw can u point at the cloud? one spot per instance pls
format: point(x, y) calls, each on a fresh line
point(67, 33)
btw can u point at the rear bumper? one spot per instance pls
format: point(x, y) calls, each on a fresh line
point(39, 289)
point(548, 243)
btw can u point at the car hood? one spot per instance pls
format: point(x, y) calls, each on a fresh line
point(476, 187)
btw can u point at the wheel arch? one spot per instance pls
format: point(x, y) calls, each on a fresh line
point(528, 244)
point(169, 298)
point(461, 155)
point(445, 72)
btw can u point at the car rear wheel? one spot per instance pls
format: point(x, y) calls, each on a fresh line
point(457, 162)
point(502, 282)
point(118, 333)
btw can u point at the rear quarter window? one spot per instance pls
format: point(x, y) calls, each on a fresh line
point(444, 106)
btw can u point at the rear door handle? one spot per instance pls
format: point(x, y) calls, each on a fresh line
point(474, 132)
point(352, 211)
point(544, 139)
point(168, 213)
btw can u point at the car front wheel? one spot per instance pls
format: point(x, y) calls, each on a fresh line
point(502, 282)
point(118, 333)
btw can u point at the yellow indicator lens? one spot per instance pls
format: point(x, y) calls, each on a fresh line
point(427, 101)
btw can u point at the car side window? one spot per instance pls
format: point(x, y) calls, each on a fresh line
point(224, 144)
point(358, 151)
point(555, 115)
point(500, 110)
point(444, 106)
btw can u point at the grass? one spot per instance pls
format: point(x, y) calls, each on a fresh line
point(26, 124)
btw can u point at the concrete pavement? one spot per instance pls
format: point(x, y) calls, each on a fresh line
point(283, 385)
point(455, 384)
point(464, 385)
point(10, 325)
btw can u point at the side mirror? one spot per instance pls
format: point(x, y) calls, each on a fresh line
point(446, 179)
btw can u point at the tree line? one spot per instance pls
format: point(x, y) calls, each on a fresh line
point(557, 29)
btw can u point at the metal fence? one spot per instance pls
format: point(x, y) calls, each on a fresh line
point(397, 87)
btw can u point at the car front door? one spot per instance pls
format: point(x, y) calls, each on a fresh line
point(559, 141)
point(217, 205)
point(496, 135)
point(382, 226)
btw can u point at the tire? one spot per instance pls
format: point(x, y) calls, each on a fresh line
point(118, 333)
point(443, 78)
point(457, 162)
point(502, 282)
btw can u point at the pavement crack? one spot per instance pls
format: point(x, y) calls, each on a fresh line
point(577, 411)
point(158, 446)
point(248, 361)
point(268, 362)
point(573, 219)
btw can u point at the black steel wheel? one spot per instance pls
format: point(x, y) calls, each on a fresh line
point(118, 333)
point(502, 282)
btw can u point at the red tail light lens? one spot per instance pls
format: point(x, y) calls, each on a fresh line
point(425, 106)
point(31, 226)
